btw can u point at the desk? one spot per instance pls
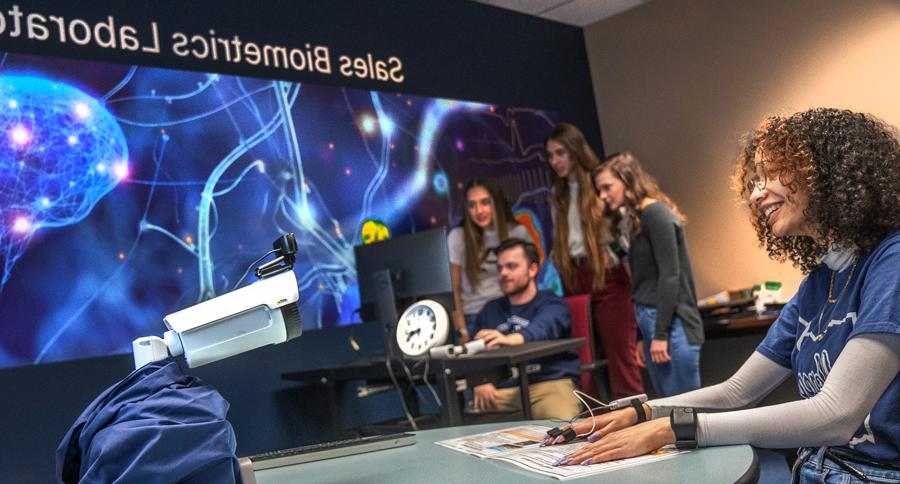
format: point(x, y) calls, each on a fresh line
point(427, 462)
point(736, 326)
point(476, 368)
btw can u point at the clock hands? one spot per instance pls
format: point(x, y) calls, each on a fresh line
point(409, 334)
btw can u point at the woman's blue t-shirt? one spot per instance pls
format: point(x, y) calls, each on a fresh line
point(811, 332)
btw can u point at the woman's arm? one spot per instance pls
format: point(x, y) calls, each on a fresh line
point(459, 318)
point(660, 230)
point(859, 377)
point(755, 379)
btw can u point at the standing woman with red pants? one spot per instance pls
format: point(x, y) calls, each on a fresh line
point(581, 255)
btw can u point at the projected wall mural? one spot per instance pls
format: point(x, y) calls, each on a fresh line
point(129, 192)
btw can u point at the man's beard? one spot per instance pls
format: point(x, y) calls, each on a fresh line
point(518, 289)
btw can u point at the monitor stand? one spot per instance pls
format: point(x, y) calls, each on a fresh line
point(386, 310)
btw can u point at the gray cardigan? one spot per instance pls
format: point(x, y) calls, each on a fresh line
point(661, 272)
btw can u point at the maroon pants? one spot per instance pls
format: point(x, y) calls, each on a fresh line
point(615, 327)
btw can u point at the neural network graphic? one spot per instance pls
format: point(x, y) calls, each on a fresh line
point(61, 151)
point(131, 192)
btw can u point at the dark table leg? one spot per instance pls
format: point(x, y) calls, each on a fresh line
point(331, 391)
point(523, 385)
point(451, 410)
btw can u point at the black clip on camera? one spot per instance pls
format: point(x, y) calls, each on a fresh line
point(286, 248)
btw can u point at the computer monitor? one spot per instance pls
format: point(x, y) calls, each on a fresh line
point(417, 267)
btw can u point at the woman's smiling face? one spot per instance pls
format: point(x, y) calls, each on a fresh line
point(480, 207)
point(779, 207)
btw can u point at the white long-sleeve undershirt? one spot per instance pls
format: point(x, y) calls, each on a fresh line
point(861, 374)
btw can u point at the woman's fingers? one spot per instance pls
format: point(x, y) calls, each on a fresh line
point(599, 425)
point(633, 441)
point(607, 448)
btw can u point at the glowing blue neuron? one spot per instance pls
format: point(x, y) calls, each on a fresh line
point(440, 183)
point(39, 118)
point(22, 225)
point(82, 110)
point(367, 122)
point(306, 215)
point(387, 126)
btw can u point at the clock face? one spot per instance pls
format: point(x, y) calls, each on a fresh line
point(423, 325)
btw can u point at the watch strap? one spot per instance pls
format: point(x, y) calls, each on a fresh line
point(684, 426)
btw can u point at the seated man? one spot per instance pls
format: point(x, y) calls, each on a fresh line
point(525, 314)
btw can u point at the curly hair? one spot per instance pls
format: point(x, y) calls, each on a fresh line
point(847, 163)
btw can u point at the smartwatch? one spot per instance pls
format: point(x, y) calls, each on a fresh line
point(684, 425)
point(462, 332)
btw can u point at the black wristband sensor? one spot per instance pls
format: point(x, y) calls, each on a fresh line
point(684, 425)
point(639, 409)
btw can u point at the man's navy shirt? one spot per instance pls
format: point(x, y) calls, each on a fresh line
point(545, 318)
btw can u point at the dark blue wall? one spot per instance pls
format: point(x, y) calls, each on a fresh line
point(452, 49)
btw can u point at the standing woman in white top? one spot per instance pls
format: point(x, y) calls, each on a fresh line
point(581, 255)
point(487, 221)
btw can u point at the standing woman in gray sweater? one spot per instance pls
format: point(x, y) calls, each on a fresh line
point(648, 225)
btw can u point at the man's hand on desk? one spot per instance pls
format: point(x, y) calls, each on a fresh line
point(493, 338)
point(486, 397)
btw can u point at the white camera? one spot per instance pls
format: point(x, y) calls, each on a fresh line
point(260, 314)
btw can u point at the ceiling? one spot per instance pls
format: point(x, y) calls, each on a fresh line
point(579, 13)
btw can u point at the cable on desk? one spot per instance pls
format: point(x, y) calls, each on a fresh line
point(409, 378)
point(425, 379)
point(603, 407)
point(409, 416)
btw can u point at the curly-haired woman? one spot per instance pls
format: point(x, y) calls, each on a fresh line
point(824, 189)
point(580, 252)
point(650, 224)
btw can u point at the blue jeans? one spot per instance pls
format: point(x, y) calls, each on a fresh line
point(821, 469)
point(680, 375)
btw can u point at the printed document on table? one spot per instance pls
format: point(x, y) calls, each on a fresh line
point(520, 446)
point(498, 442)
point(541, 460)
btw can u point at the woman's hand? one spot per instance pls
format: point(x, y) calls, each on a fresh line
point(659, 351)
point(630, 442)
point(639, 354)
point(604, 424)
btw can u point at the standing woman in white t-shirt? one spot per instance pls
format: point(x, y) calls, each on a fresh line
point(581, 254)
point(487, 221)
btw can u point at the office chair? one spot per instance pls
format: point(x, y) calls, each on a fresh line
point(592, 364)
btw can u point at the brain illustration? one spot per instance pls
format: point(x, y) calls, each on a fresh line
point(61, 151)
